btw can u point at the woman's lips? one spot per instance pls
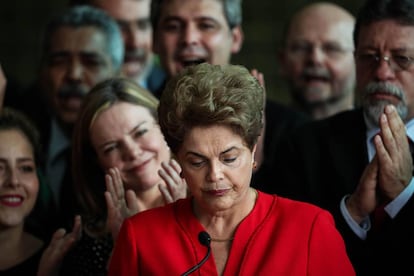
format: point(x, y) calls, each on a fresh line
point(11, 200)
point(219, 192)
point(141, 167)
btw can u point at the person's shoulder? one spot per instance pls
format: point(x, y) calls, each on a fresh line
point(157, 214)
point(301, 209)
point(338, 122)
point(276, 109)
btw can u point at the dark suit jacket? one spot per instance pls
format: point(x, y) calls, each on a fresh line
point(322, 162)
point(280, 120)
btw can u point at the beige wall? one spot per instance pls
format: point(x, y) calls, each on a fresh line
point(22, 21)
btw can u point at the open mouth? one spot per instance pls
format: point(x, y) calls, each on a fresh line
point(315, 78)
point(191, 62)
point(11, 200)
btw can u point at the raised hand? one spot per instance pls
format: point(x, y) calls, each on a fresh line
point(120, 204)
point(260, 78)
point(174, 186)
point(390, 171)
point(363, 200)
point(60, 244)
point(394, 158)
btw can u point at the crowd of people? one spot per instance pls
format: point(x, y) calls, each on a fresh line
point(141, 149)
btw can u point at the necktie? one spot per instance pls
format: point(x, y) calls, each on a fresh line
point(379, 216)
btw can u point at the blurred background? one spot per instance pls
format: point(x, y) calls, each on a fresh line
point(22, 22)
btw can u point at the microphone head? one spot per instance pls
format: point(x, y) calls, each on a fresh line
point(204, 238)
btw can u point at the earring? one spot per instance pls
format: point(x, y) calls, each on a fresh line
point(254, 165)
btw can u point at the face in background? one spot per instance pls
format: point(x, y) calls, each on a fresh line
point(194, 31)
point(217, 166)
point(76, 61)
point(19, 184)
point(133, 17)
point(317, 59)
point(126, 136)
point(381, 83)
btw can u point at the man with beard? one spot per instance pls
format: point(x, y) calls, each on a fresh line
point(358, 164)
point(188, 32)
point(81, 47)
point(317, 59)
point(133, 18)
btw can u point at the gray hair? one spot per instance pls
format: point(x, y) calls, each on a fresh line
point(86, 16)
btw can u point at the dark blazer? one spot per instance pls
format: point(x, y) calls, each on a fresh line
point(280, 120)
point(322, 162)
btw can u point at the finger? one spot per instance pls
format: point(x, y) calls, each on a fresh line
point(110, 188)
point(165, 193)
point(387, 135)
point(397, 128)
point(119, 185)
point(396, 124)
point(57, 236)
point(174, 164)
point(132, 202)
point(382, 153)
point(77, 227)
point(110, 204)
point(166, 173)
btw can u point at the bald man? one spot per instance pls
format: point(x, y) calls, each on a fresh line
point(317, 59)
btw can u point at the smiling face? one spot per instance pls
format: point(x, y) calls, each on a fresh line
point(19, 184)
point(382, 83)
point(318, 57)
point(126, 136)
point(217, 166)
point(194, 31)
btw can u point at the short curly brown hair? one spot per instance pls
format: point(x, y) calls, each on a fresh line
point(205, 95)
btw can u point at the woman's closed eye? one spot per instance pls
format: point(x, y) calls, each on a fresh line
point(140, 132)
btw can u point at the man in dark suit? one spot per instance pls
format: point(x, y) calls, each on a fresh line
point(357, 164)
point(81, 47)
point(190, 32)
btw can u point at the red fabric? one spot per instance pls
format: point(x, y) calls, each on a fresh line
point(279, 237)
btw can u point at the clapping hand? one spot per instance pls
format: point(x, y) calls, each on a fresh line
point(174, 186)
point(390, 171)
point(120, 204)
point(60, 244)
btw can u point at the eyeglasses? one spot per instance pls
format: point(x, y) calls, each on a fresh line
point(302, 50)
point(397, 62)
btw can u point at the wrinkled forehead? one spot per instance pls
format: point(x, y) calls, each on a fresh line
point(386, 35)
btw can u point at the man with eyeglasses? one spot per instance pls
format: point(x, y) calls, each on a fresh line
point(317, 60)
point(358, 164)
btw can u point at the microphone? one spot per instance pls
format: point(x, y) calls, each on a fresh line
point(204, 239)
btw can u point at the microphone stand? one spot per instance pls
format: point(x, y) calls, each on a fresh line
point(204, 239)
